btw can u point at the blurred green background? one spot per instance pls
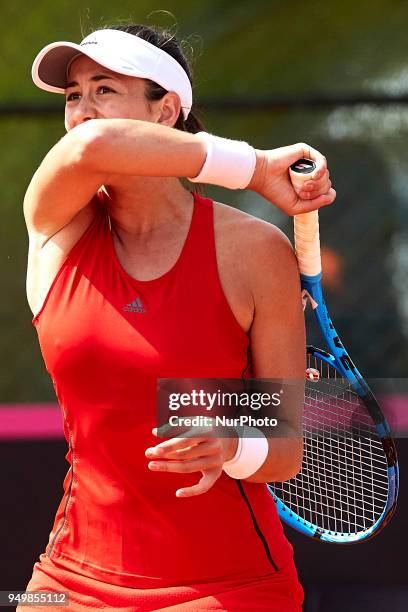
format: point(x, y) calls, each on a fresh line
point(244, 50)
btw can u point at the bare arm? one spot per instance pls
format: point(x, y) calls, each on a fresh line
point(139, 148)
point(94, 153)
point(278, 348)
point(91, 154)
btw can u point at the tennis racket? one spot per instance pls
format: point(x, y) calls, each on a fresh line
point(347, 488)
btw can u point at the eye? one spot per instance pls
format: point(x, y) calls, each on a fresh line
point(105, 89)
point(75, 95)
point(72, 96)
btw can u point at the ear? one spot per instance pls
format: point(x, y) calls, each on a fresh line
point(170, 108)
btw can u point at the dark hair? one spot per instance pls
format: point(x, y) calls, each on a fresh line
point(165, 40)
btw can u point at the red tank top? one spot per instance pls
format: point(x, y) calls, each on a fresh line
point(106, 338)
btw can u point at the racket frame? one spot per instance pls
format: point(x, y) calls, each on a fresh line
point(342, 362)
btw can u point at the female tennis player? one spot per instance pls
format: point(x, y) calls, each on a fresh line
point(131, 277)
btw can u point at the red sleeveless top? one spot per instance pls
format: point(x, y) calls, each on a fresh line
point(106, 338)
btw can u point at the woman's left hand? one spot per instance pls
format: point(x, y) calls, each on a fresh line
point(196, 451)
point(271, 179)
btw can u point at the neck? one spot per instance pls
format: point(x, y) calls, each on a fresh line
point(141, 206)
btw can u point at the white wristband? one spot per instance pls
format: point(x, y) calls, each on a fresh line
point(229, 163)
point(251, 453)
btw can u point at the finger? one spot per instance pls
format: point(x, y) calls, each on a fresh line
point(321, 169)
point(304, 150)
point(195, 432)
point(205, 483)
point(167, 430)
point(208, 447)
point(320, 161)
point(190, 438)
point(186, 467)
point(170, 446)
point(324, 182)
point(303, 206)
point(316, 191)
point(172, 431)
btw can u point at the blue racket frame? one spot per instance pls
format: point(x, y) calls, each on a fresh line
point(341, 361)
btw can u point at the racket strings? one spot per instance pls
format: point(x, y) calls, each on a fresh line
point(343, 484)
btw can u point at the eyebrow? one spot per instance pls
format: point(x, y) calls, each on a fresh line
point(97, 77)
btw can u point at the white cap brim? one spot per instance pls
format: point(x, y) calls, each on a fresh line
point(118, 51)
point(51, 65)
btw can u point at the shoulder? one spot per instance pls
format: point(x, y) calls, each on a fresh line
point(261, 244)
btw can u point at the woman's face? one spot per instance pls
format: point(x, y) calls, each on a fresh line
point(94, 92)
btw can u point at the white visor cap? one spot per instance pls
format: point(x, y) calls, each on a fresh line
point(119, 51)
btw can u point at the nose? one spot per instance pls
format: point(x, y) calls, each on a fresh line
point(83, 111)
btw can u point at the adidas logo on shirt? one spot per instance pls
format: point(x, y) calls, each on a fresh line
point(135, 306)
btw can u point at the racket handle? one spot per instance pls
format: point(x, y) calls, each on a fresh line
point(306, 225)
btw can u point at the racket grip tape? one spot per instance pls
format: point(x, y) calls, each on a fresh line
point(306, 225)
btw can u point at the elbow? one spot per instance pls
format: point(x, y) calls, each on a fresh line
point(292, 470)
point(85, 143)
point(295, 459)
point(284, 473)
point(294, 464)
